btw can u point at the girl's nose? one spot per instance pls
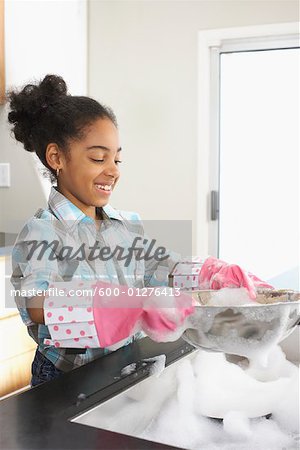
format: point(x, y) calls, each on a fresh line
point(111, 169)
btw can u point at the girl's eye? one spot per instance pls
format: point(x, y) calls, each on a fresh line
point(101, 160)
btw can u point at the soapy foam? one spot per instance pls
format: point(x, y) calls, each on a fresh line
point(159, 363)
point(210, 384)
point(131, 368)
point(231, 297)
point(174, 406)
point(214, 398)
point(169, 408)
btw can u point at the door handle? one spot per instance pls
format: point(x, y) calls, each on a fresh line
point(214, 205)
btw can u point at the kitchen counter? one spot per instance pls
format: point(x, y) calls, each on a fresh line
point(40, 417)
point(7, 241)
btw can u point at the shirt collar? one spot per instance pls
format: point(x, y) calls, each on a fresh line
point(70, 214)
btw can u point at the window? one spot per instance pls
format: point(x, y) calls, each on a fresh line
point(253, 153)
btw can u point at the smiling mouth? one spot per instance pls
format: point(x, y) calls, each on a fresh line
point(104, 188)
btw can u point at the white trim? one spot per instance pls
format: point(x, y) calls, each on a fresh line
point(265, 43)
point(83, 13)
point(225, 39)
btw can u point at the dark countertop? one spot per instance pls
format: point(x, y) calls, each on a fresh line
point(40, 417)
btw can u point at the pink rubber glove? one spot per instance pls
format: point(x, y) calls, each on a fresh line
point(217, 274)
point(104, 320)
point(116, 318)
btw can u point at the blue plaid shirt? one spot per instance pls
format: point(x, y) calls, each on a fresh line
point(65, 224)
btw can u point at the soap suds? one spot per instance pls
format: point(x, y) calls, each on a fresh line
point(230, 297)
point(159, 363)
point(157, 366)
point(172, 408)
point(128, 369)
point(182, 405)
point(210, 385)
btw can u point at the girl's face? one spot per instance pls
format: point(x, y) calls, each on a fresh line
point(88, 177)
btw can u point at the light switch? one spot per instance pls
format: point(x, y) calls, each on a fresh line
point(4, 174)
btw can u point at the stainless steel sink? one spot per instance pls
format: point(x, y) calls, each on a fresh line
point(123, 413)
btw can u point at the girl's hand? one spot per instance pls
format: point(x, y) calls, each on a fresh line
point(217, 274)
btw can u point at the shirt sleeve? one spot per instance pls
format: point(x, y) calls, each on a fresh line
point(157, 272)
point(156, 269)
point(34, 263)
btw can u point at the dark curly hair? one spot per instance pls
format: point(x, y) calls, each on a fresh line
point(44, 112)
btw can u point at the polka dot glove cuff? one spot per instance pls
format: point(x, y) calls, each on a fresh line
point(68, 313)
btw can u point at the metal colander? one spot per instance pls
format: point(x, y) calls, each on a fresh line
point(247, 330)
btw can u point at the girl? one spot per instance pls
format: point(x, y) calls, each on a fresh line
point(77, 141)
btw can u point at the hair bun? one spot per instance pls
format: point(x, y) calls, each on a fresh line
point(27, 105)
point(51, 88)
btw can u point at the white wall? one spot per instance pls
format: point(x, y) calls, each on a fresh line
point(40, 37)
point(143, 63)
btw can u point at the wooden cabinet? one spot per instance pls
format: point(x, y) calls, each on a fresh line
point(16, 354)
point(16, 346)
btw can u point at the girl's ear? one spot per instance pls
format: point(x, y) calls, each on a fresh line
point(53, 156)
